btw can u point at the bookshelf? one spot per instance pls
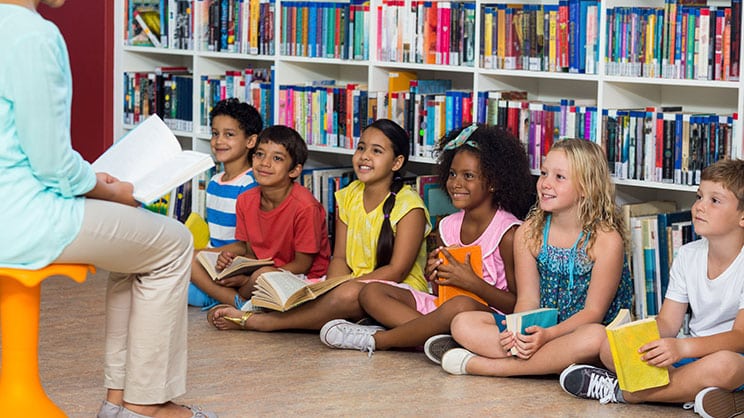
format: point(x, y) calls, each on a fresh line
point(598, 90)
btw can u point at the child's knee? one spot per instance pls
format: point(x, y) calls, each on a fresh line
point(345, 295)
point(372, 292)
point(726, 367)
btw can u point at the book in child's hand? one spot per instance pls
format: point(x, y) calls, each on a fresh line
point(517, 322)
point(151, 158)
point(476, 262)
point(239, 265)
point(282, 290)
point(626, 337)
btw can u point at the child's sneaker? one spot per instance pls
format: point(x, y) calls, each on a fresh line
point(713, 402)
point(589, 382)
point(340, 333)
point(436, 346)
point(455, 361)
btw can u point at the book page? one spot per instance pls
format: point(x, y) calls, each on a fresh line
point(283, 284)
point(169, 174)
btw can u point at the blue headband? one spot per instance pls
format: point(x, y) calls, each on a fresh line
point(463, 138)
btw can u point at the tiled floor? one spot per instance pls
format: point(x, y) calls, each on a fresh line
point(247, 374)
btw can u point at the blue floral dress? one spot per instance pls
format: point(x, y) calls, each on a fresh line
point(565, 275)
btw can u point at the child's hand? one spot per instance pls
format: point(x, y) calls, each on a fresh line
point(237, 280)
point(223, 260)
point(528, 344)
point(457, 274)
point(507, 340)
point(432, 264)
point(661, 353)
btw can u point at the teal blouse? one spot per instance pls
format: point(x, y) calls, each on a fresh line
point(41, 176)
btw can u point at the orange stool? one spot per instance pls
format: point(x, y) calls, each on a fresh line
point(21, 393)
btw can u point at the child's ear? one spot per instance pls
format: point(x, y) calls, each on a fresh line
point(252, 139)
point(295, 172)
point(398, 162)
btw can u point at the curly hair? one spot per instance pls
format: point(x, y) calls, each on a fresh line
point(597, 210)
point(247, 116)
point(503, 163)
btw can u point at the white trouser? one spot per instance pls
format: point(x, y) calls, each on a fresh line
point(149, 257)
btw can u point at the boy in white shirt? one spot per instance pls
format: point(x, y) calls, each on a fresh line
point(708, 276)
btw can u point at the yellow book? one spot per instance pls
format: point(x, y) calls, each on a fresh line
point(626, 337)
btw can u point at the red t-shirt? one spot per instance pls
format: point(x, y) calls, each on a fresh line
point(297, 224)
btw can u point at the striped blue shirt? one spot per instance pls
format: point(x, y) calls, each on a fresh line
point(221, 199)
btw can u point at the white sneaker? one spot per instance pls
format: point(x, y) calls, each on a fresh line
point(341, 333)
point(454, 361)
point(713, 402)
point(437, 345)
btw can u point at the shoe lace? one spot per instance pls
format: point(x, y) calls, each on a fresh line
point(361, 339)
point(602, 388)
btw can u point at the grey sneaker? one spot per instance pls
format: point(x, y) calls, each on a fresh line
point(196, 412)
point(340, 333)
point(436, 346)
point(713, 402)
point(589, 382)
point(108, 410)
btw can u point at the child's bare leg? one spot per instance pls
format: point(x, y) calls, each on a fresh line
point(580, 346)
point(341, 302)
point(389, 305)
point(415, 333)
point(201, 279)
point(723, 369)
point(478, 332)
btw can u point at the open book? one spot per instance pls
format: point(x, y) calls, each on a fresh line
point(446, 293)
point(150, 157)
point(239, 265)
point(519, 321)
point(626, 337)
point(282, 290)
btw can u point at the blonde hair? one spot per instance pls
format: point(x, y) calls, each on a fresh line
point(597, 210)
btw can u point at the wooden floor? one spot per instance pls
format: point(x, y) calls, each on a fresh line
point(247, 374)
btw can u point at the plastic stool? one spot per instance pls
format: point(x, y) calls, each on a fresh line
point(21, 393)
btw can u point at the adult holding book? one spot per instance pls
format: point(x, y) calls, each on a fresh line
point(57, 209)
point(380, 231)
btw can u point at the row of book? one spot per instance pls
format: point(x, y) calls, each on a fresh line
point(426, 32)
point(167, 92)
point(675, 41)
point(325, 29)
point(665, 144)
point(252, 85)
point(159, 23)
point(656, 230)
point(559, 37)
point(239, 26)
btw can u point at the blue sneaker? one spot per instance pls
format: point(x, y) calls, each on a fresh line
point(200, 299)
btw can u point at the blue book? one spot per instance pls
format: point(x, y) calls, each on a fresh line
point(312, 31)
point(649, 264)
point(664, 223)
point(678, 148)
point(518, 322)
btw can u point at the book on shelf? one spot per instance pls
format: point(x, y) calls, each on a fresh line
point(281, 290)
point(625, 337)
point(239, 265)
point(664, 222)
point(517, 322)
point(476, 263)
point(150, 157)
point(435, 198)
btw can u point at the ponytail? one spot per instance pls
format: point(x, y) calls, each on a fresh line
point(386, 241)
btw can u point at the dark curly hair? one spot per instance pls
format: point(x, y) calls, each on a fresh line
point(503, 163)
point(247, 116)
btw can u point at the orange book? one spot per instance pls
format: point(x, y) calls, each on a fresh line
point(476, 262)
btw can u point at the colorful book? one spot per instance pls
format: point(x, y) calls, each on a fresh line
point(476, 262)
point(626, 337)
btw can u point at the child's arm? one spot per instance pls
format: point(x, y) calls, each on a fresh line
point(525, 269)
point(667, 351)
point(338, 266)
point(230, 251)
point(408, 237)
point(432, 262)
